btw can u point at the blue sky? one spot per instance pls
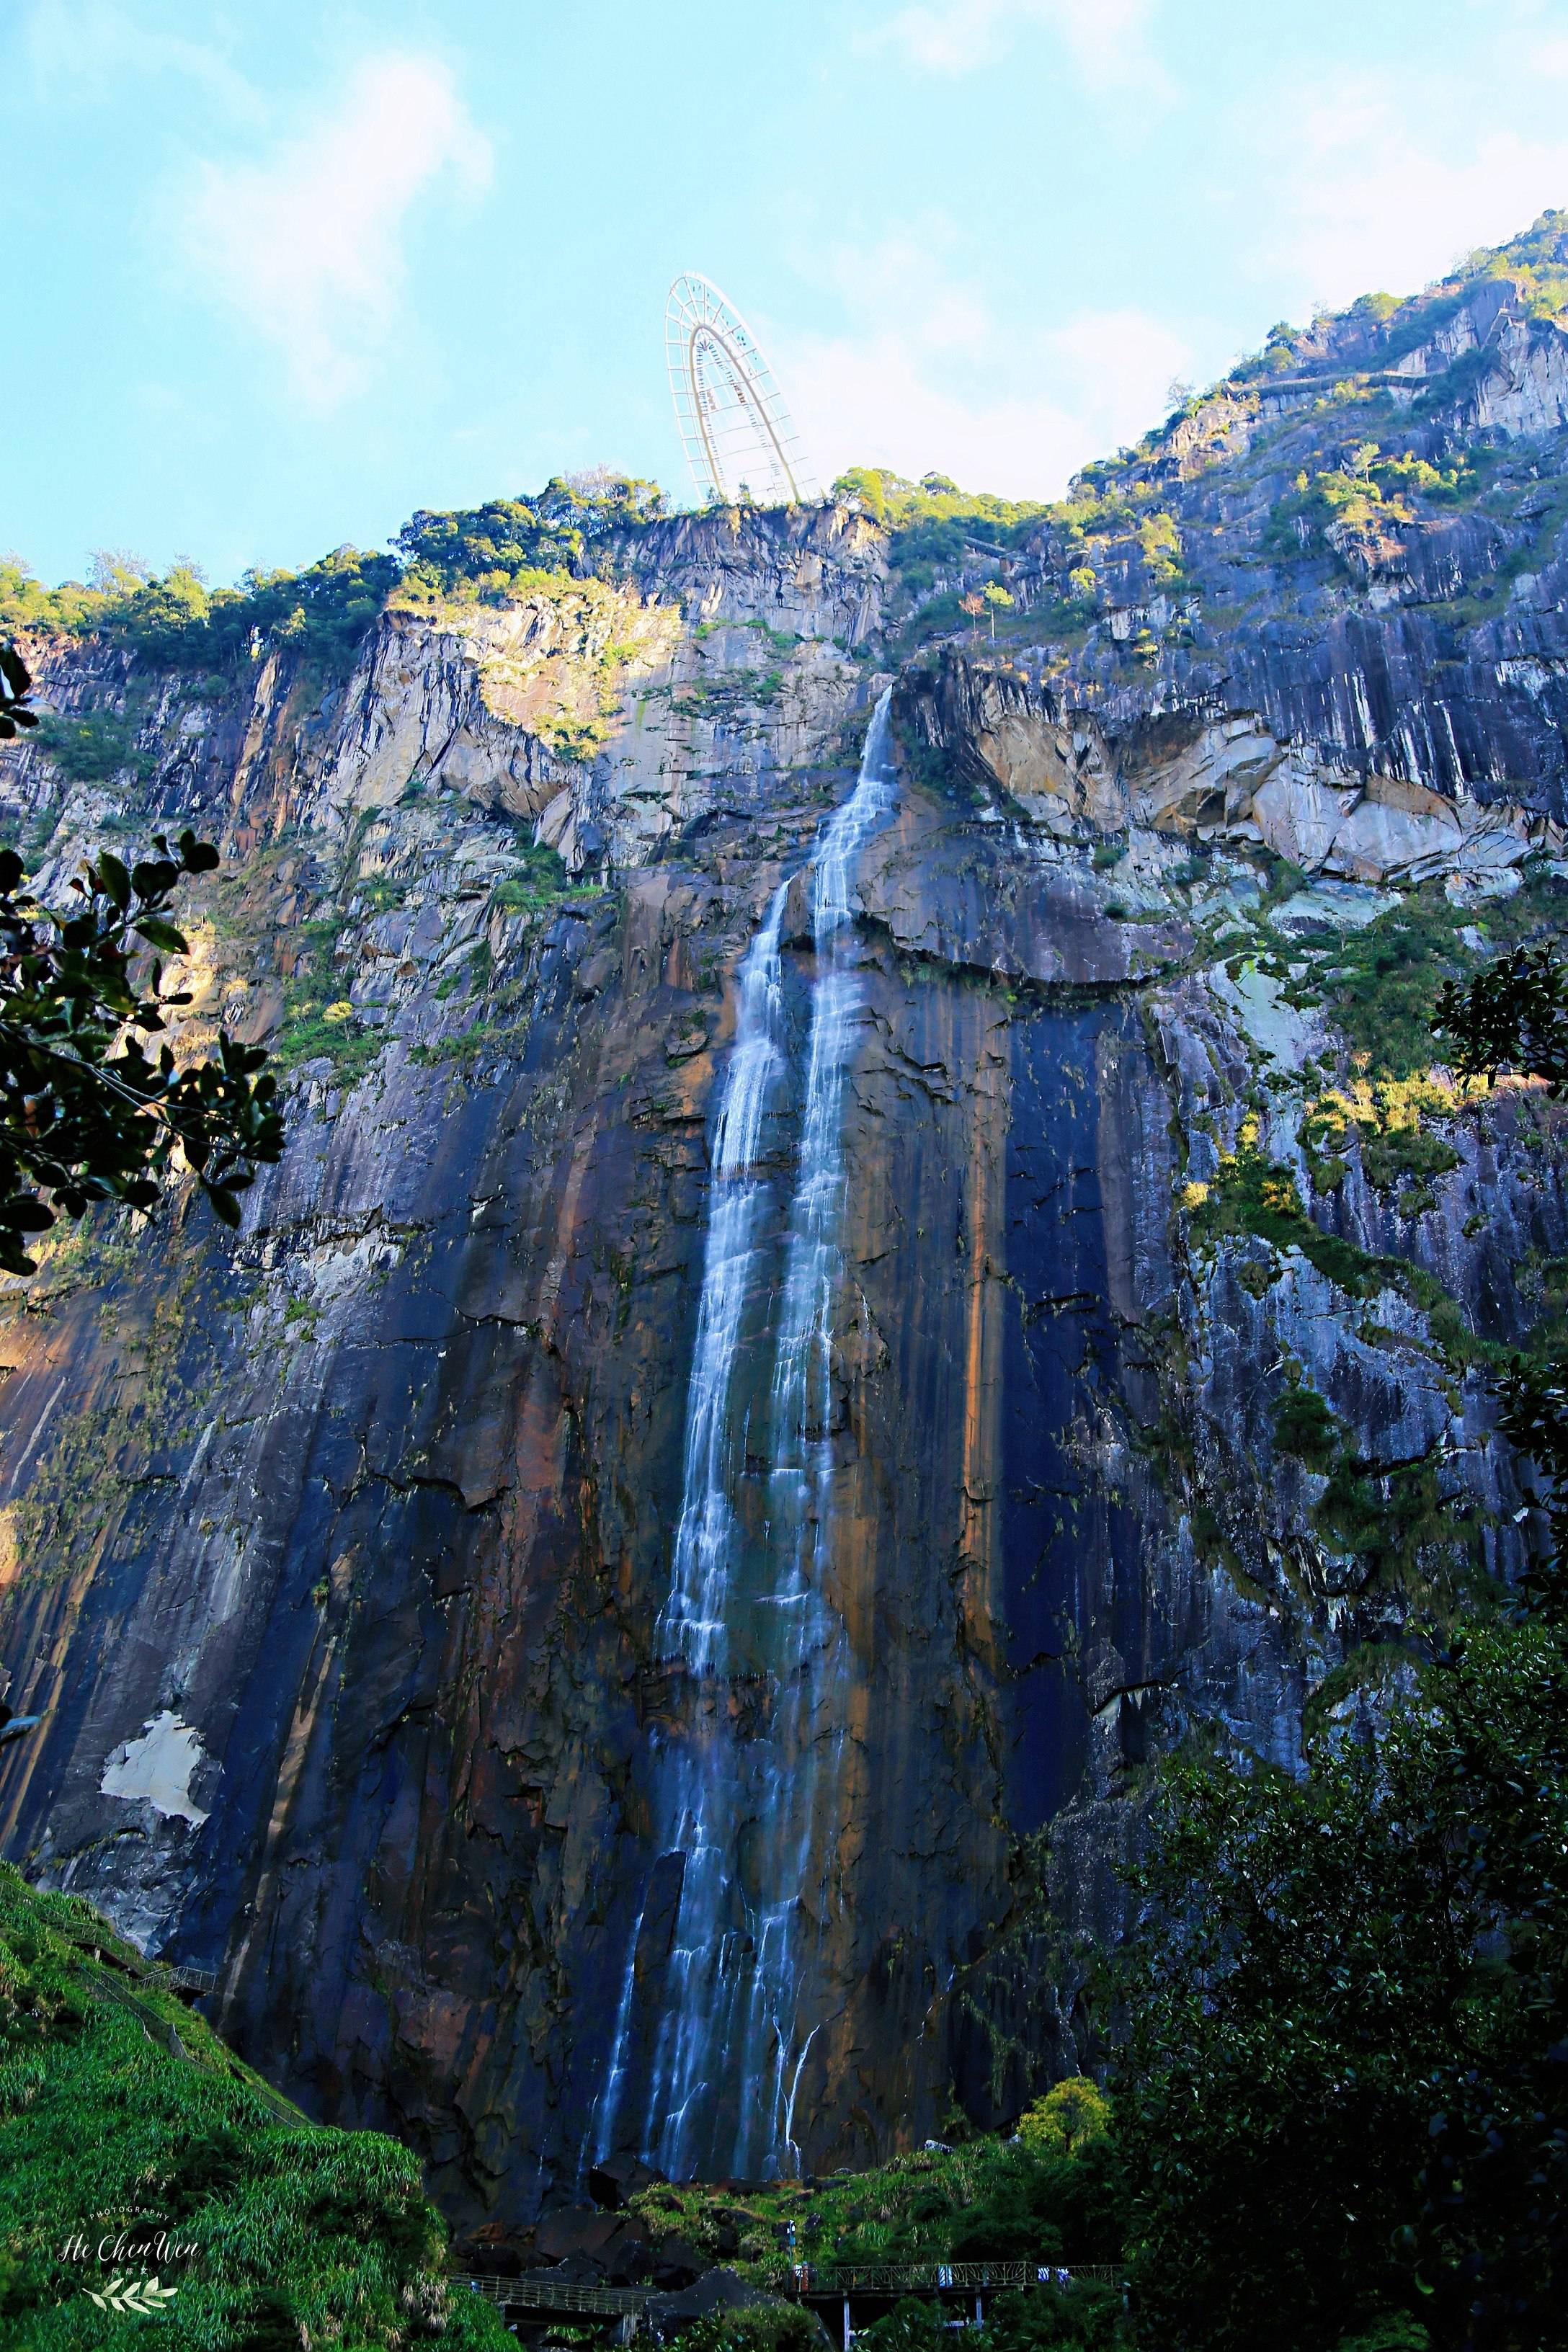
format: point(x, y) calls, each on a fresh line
point(280, 273)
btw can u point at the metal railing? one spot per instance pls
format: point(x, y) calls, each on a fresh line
point(936, 2278)
point(534, 2294)
point(198, 1980)
point(533, 2291)
point(117, 1952)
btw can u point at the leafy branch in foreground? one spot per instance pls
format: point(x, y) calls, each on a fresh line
point(86, 1112)
point(15, 694)
point(1513, 1015)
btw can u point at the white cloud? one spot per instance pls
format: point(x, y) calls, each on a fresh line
point(307, 248)
point(1106, 39)
point(1549, 56)
point(937, 382)
point(1367, 207)
point(90, 50)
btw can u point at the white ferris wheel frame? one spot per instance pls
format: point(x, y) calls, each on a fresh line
point(705, 335)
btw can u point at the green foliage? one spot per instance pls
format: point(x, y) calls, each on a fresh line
point(90, 750)
point(1513, 1015)
point(83, 1117)
point(494, 553)
point(1395, 2331)
point(1080, 2314)
point(1159, 541)
point(323, 612)
point(1340, 2096)
point(986, 2198)
point(1536, 263)
point(319, 1020)
point(1071, 2114)
point(1251, 1194)
point(122, 2113)
point(933, 522)
point(543, 880)
point(175, 622)
point(466, 1049)
point(1387, 1517)
point(1360, 496)
point(754, 2327)
point(1304, 1426)
point(1386, 979)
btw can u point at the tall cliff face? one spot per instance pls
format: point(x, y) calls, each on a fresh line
point(336, 1554)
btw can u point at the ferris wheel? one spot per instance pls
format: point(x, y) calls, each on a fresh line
point(738, 436)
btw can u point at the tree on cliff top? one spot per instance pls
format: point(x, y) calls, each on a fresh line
point(491, 551)
point(86, 1113)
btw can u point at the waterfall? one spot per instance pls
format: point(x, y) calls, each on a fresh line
point(744, 1790)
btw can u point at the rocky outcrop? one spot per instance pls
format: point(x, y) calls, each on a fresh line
point(1180, 775)
point(333, 1555)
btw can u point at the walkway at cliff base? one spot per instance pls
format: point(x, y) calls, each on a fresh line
point(846, 2296)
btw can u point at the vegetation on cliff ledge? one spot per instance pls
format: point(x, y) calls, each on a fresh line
point(496, 552)
point(174, 620)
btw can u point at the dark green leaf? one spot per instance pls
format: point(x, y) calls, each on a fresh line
point(161, 934)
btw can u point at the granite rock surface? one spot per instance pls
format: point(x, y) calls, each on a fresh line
point(333, 1552)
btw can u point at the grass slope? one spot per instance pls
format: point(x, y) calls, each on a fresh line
point(123, 2115)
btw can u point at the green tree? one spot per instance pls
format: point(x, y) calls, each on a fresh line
point(1342, 2091)
point(1512, 1016)
point(86, 1112)
point(1070, 2115)
point(998, 598)
point(1343, 2102)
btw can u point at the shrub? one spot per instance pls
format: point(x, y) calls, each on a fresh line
point(90, 750)
point(754, 2327)
point(1071, 2114)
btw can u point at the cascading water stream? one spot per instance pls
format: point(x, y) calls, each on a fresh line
point(745, 1791)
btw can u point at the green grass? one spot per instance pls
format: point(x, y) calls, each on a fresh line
point(307, 1035)
point(466, 1049)
point(122, 2113)
point(313, 1025)
point(544, 879)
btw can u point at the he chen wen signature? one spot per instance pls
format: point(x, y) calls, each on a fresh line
point(134, 2288)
